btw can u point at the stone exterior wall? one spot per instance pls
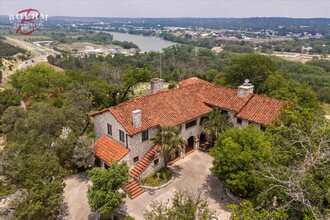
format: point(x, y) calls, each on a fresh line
point(125, 159)
point(134, 143)
point(100, 125)
point(194, 131)
point(246, 123)
point(153, 168)
point(138, 147)
point(231, 118)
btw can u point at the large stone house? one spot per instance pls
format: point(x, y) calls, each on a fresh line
point(123, 132)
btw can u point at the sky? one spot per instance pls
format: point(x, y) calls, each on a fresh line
point(172, 8)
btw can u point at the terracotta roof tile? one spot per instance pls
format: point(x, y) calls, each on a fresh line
point(193, 81)
point(222, 97)
point(172, 107)
point(192, 99)
point(262, 109)
point(109, 150)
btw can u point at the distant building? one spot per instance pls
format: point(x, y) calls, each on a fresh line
point(307, 49)
point(91, 50)
point(39, 43)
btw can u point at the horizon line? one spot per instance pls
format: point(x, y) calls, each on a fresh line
point(70, 16)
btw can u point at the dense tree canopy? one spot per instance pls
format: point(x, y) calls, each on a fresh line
point(104, 195)
point(254, 67)
point(39, 81)
point(284, 171)
point(184, 206)
point(235, 155)
point(226, 68)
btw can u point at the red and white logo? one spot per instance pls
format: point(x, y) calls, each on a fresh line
point(27, 21)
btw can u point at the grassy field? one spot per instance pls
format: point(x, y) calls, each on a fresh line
point(31, 38)
point(326, 108)
point(77, 46)
point(82, 46)
point(296, 57)
point(143, 89)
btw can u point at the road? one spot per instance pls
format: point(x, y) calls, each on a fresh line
point(31, 47)
point(42, 57)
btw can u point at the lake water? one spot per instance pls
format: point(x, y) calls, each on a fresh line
point(145, 44)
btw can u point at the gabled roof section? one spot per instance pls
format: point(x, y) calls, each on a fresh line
point(109, 150)
point(262, 109)
point(193, 81)
point(171, 107)
point(222, 97)
point(192, 99)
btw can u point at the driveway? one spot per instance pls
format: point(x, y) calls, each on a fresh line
point(192, 174)
point(76, 205)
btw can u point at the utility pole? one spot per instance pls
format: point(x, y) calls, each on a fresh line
point(160, 66)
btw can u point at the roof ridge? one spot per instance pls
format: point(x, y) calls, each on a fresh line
point(247, 101)
point(181, 104)
point(144, 96)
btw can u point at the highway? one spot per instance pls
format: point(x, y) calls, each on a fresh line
point(42, 57)
point(29, 46)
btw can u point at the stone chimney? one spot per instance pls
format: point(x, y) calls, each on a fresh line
point(157, 85)
point(137, 115)
point(245, 89)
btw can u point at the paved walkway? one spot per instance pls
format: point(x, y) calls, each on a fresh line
point(192, 174)
point(76, 205)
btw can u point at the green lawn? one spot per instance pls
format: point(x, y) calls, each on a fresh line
point(143, 89)
point(326, 108)
point(164, 175)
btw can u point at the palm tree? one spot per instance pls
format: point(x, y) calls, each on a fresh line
point(215, 123)
point(169, 140)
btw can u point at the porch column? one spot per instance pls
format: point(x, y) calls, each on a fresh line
point(196, 145)
point(102, 164)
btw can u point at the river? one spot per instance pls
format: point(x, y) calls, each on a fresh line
point(145, 43)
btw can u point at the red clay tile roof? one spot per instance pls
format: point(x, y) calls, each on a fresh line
point(222, 97)
point(109, 150)
point(191, 100)
point(192, 81)
point(209, 93)
point(261, 109)
point(172, 107)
